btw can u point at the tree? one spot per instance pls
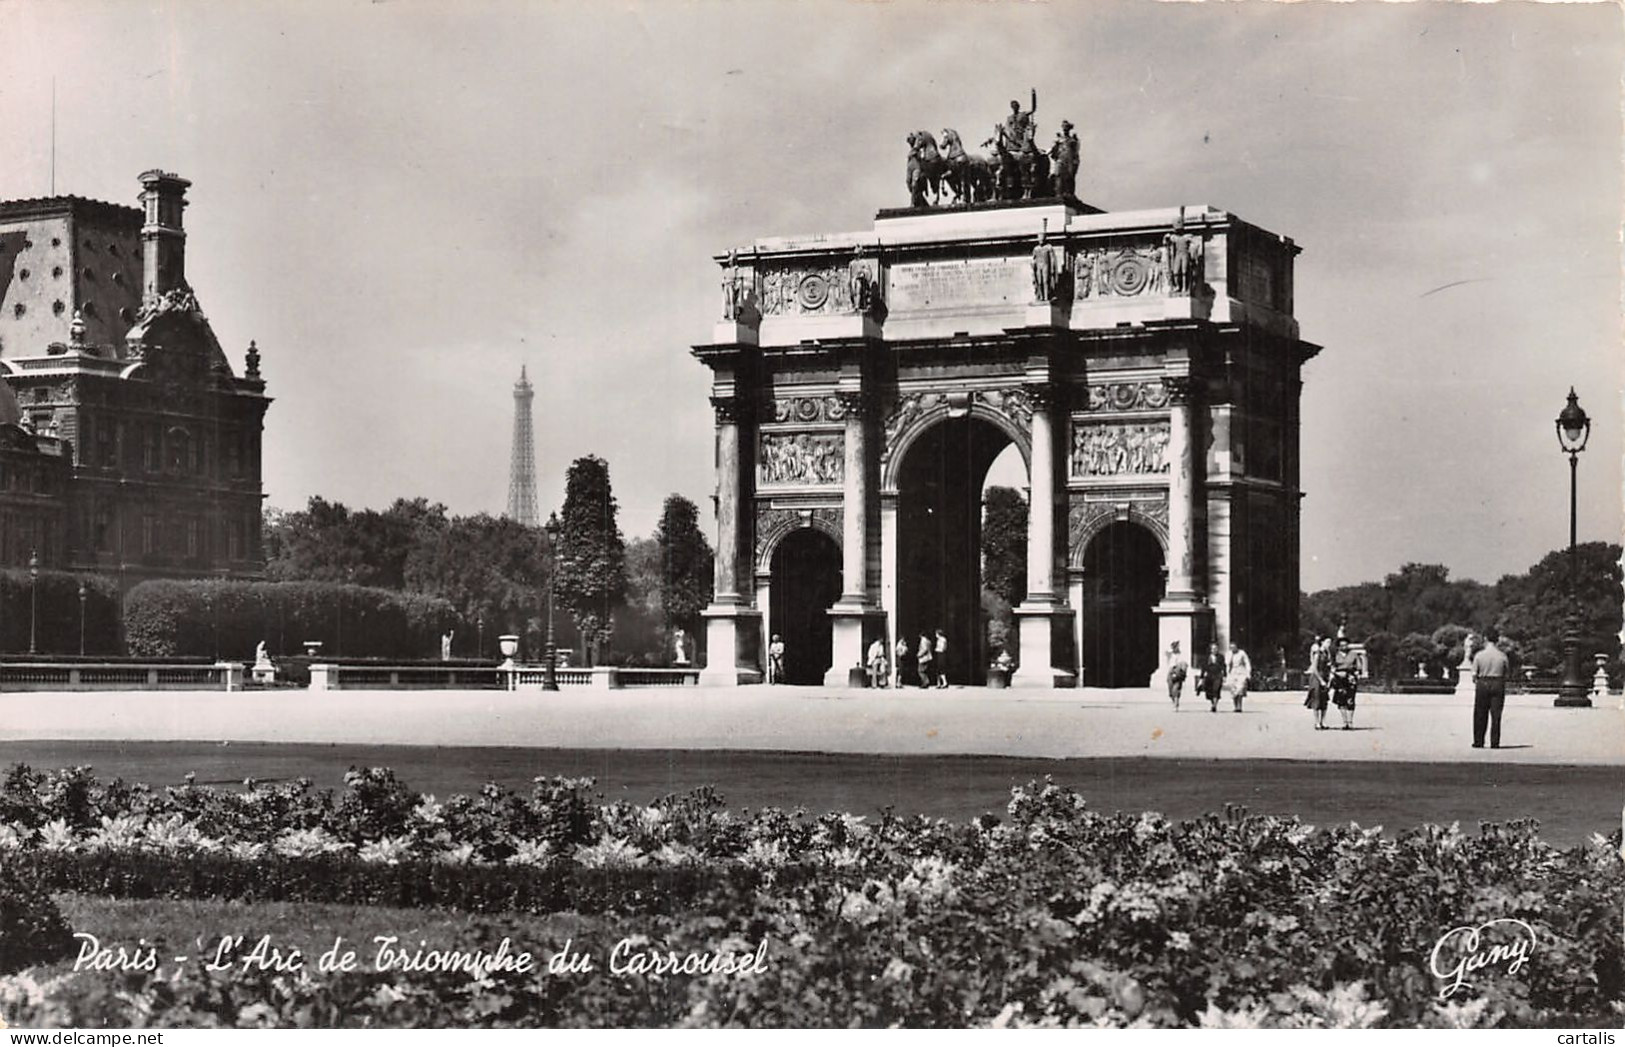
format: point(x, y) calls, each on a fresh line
point(1004, 544)
point(489, 568)
point(591, 579)
point(686, 564)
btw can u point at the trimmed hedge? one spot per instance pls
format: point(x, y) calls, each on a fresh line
point(347, 880)
point(54, 608)
point(210, 618)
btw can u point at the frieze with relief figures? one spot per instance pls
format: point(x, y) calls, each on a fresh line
point(802, 458)
point(819, 291)
point(1120, 450)
point(1128, 396)
point(1170, 267)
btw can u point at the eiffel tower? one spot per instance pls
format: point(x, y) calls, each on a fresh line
point(522, 469)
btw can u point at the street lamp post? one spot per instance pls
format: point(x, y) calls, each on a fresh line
point(479, 638)
point(82, 595)
point(550, 675)
point(1573, 430)
point(33, 599)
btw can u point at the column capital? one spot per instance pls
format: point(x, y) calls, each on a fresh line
point(729, 409)
point(1043, 395)
point(1180, 388)
point(855, 403)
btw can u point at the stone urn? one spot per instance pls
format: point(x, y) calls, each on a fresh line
point(313, 649)
point(998, 674)
point(508, 644)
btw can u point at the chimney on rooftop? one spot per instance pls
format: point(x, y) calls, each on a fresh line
point(163, 240)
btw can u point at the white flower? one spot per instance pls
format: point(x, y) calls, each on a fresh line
point(462, 854)
point(533, 852)
point(390, 850)
point(247, 851)
point(13, 838)
point(307, 843)
point(859, 908)
point(651, 818)
point(677, 854)
point(56, 836)
point(844, 858)
point(428, 811)
point(930, 879)
point(609, 853)
point(175, 833)
point(853, 824)
point(760, 855)
point(118, 833)
point(1179, 940)
point(898, 971)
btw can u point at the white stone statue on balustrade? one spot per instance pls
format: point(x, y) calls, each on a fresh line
point(679, 640)
point(262, 660)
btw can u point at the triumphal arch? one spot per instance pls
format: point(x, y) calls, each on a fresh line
point(1145, 364)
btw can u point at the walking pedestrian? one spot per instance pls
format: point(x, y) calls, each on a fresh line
point(1345, 681)
point(877, 663)
point(1489, 690)
point(1177, 668)
point(1211, 680)
point(1238, 672)
point(898, 655)
point(775, 660)
point(922, 659)
point(941, 659)
point(1320, 681)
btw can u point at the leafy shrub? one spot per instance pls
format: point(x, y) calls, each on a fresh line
point(208, 618)
point(51, 605)
point(32, 928)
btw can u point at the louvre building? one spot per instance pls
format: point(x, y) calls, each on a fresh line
point(129, 446)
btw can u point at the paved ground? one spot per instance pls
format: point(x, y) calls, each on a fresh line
point(1055, 724)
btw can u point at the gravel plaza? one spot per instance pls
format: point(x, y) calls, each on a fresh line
point(1087, 723)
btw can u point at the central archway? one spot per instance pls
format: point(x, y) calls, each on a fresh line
point(939, 540)
point(1123, 581)
point(806, 582)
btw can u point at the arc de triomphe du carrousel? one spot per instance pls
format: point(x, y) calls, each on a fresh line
point(1145, 364)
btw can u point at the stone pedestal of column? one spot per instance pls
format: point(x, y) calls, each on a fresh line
point(854, 626)
point(1188, 621)
point(731, 632)
point(1036, 623)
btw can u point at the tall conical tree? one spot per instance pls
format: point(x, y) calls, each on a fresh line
point(591, 579)
point(686, 574)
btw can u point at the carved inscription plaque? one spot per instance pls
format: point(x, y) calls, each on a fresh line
point(972, 282)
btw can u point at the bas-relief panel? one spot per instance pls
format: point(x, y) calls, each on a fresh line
point(801, 459)
point(1120, 449)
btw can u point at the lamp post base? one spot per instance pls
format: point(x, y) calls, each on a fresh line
point(1574, 692)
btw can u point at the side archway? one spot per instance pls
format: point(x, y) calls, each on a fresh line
point(1123, 579)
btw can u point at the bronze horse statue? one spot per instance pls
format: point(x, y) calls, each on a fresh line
point(925, 168)
point(1019, 173)
point(971, 178)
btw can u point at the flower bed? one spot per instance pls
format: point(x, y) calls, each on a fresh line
point(1051, 914)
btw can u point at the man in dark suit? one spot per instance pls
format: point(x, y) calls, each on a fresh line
point(1490, 690)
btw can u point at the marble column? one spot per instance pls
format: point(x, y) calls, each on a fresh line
point(1036, 615)
point(729, 614)
point(1182, 615)
point(854, 608)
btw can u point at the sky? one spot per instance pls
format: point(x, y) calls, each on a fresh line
point(403, 202)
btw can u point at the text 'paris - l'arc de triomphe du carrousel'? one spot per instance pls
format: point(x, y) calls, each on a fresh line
point(1146, 365)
